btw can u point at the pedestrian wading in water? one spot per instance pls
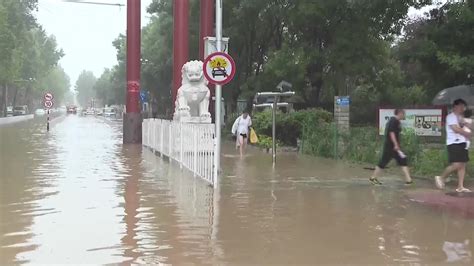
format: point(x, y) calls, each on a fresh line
point(457, 140)
point(392, 149)
point(240, 129)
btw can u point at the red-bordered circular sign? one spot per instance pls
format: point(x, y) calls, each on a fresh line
point(219, 68)
point(48, 104)
point(48, 96)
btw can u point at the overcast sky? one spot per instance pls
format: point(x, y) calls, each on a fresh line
point(85, 32)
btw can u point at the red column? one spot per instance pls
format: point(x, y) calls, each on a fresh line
point(207, 24)
point(133, 55)
point(132, 121)
point(180, 41)
point(207, 30)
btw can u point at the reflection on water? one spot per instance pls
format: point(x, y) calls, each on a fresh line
point(77, 195)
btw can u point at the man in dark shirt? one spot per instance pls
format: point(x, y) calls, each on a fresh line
point(391, 149)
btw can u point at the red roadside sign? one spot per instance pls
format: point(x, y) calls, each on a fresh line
point(219, 68)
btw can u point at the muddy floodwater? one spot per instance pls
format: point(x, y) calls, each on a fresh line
point(77, 195)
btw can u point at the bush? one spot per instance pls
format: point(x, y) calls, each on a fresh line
point(289, 126)
point(266, 142)
point(319, 139)
point(361, 144)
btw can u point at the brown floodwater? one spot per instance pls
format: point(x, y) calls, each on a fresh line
point(77, 195)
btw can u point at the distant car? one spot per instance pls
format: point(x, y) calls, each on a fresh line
point(71, 109)
point(90, 112)
point(40, 112)
point(9, 110)
point(20, 110)
point(110, 112)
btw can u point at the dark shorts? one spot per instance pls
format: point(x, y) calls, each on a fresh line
point(387, 155)
point(457, 153)
point(244, 136)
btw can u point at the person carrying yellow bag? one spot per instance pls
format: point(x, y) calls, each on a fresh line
point(253, 136)
point(240, 129)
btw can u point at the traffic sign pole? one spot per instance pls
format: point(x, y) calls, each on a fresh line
point(48, 104)
point(47, 122)
point(218, 102)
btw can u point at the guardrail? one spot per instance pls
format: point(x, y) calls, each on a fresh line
point(190, 145)
point(15, 119)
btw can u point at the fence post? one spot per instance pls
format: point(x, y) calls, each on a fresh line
point(336, 142)
point(161, 138)
point(181, 144)
point(195, 150)
point(169, 141)
point(214, 165)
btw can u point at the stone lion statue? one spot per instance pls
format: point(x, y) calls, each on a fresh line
point(192, 100)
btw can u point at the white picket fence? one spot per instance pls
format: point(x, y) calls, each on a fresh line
point(192, 146)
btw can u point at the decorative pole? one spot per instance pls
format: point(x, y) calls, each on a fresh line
point(206, 25)
point(180, 42)
point(132, 119)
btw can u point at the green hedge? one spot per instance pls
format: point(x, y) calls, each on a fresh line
point(289, 126)
point(363, 145)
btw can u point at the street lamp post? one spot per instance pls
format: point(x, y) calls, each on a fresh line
point(276, 96)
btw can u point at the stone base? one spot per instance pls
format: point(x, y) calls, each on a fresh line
point(132, 128)
point(195, 120)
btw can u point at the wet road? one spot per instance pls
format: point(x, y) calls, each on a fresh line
point(77, 195)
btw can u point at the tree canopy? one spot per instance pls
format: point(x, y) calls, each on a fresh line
point(28, 57)
point(367, 49)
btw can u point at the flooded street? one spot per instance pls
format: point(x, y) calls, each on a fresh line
point(77, 195)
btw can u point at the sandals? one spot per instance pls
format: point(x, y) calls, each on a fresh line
point(375, 181)
point(439, 182)
point(463, 190)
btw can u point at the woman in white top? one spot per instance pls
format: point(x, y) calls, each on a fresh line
point(240, 129)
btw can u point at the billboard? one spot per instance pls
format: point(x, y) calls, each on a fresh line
point(425, 122)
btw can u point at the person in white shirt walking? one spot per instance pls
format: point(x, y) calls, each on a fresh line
point(456, 140)
point(240, 129)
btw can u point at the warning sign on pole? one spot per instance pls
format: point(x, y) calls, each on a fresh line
point(219, 68)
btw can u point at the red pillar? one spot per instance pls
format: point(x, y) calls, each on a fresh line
point(207, 24)
point(180, 41)
point(132, 119)
point(207, 30)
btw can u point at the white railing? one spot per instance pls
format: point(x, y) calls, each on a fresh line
point(191, 145)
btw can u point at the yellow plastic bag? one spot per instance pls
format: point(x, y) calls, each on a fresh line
point(253, 136)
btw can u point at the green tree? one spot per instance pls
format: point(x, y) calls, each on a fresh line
point(104, 88)
point(437, 51)
point(85, 88)
point(56, 82)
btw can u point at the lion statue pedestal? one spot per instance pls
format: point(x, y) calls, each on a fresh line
point(192, 100)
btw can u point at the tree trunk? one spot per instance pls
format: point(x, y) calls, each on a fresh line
point(4, 100)
point(14, 97)
point(27, 98)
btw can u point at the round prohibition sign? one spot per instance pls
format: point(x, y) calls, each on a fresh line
point(48, 96)
point(219, 68)
point(48, 104)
